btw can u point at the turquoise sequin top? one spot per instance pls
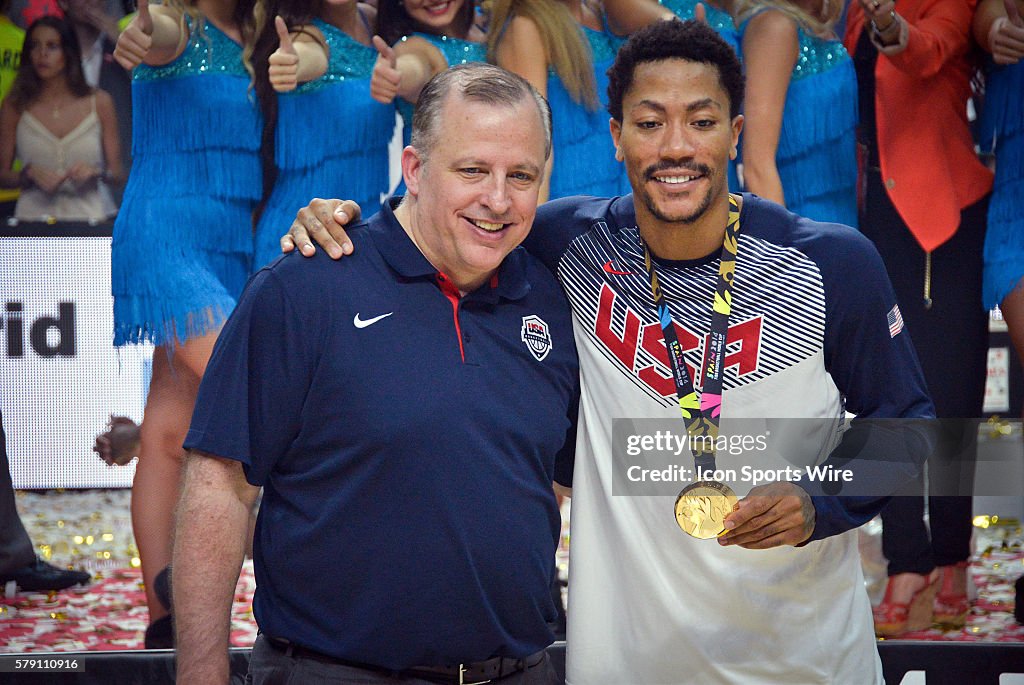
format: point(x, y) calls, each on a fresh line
point(349, 60)
point(584, 156)
point(1002, 131)
point(817, 156)
point(719, 20)
point(332, 138)
point(182, 244)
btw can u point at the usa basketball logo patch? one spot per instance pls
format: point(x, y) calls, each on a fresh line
point(537, 337)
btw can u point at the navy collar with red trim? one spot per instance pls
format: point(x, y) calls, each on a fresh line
point(402, 255)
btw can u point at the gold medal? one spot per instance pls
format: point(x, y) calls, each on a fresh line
point(701, 508)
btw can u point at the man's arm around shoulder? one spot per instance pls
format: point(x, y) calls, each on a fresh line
point(209, 544)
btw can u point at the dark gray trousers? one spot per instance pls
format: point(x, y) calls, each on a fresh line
point(15, 546)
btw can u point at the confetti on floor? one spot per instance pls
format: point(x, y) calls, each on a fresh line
point(91, 530)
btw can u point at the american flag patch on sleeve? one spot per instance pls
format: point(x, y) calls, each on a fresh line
point(895, 321)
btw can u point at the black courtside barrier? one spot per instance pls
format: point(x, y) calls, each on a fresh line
point(944, 663)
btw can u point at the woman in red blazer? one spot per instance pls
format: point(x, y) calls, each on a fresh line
point(924, 206)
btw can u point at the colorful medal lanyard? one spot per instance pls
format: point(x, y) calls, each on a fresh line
point(702, 415)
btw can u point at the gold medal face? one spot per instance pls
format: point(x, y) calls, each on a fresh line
point(701, 508)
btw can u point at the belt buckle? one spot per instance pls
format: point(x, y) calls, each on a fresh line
point(462, 677)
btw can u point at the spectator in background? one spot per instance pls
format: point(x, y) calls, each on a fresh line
point(925, 205)
point(97, 32)
point(799, 145)
point(999, 29)
point(63, 131)
point(11, 39)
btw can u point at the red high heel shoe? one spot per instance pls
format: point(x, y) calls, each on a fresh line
point(892, 618)
point(951, 605)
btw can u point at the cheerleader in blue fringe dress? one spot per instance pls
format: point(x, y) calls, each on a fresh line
point(800, 108)
point(182, 245)
point(322, 73)
point(1002, 132)
point(564, 48)
point(417, 40)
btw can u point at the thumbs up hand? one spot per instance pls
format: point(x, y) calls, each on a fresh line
point(700, 13)
point(1006, 37)
point(284, 62)
point(386, 78)
point(135, 41)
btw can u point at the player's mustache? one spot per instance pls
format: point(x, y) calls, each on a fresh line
point(683, 169)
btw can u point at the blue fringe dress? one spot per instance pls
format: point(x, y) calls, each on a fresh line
point(331, 140)
point(1002, 131)
point(817, 153)
point(182, 245)
point(721, 21)
point(584, 154)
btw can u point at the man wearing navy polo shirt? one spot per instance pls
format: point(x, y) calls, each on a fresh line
point(404, 413)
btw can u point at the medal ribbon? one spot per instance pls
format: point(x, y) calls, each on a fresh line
point(702, 414)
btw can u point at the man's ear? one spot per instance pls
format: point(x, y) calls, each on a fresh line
point(615, 127)
point(737, 126)
point(412, 166)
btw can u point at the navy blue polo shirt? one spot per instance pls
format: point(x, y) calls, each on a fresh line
point(406, 439)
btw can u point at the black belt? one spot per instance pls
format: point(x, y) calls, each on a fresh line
point(473, 673)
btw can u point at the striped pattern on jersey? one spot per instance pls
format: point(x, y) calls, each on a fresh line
point(777, 321)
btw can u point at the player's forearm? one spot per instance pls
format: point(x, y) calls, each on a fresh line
point(879, 456)
point(210, 534)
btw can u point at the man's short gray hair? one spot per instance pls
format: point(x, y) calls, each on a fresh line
point(477, 82)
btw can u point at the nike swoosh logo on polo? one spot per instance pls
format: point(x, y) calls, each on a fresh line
point(363, 323)
point(609, 269)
